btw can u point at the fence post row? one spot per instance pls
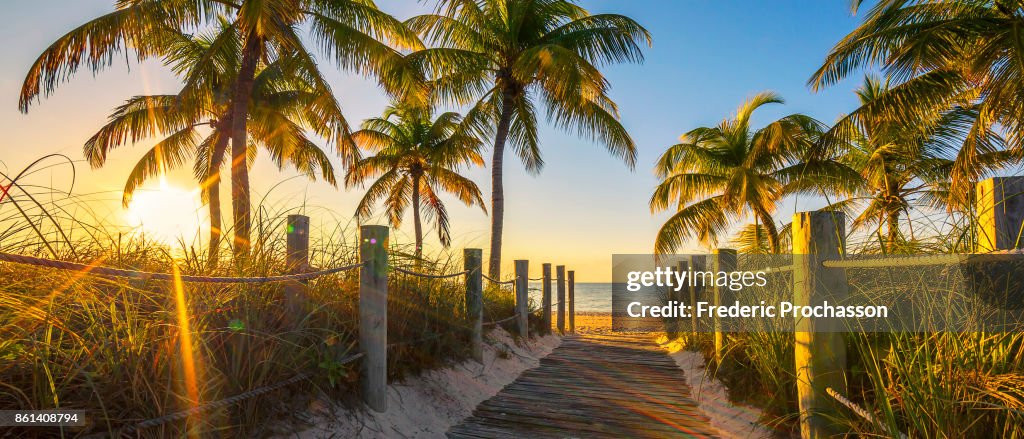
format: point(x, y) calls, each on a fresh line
point(560, 286)
point(522, 297)
point(473, 265)
point(725, 261)
point(572, 302)
point(819, 348)
point(373, 315)
point(296, 261)
point(546, 312)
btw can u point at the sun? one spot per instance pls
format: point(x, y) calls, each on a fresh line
point(168, 214)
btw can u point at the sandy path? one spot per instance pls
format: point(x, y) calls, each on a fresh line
point(428, 405)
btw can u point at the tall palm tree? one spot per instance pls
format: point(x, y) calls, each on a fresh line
point(944, 54)
point(508, 56)
point(906, 165)
point(352, 33)
point(717, 175)
point(195, 122)
point(417, 156)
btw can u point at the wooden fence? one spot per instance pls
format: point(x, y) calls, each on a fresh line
point(819, 273)
point(373, 299)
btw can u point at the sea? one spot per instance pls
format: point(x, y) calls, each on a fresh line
point(590, 296)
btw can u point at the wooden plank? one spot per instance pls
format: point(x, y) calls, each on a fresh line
point(607, 386)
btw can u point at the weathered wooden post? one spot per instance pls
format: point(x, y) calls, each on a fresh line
point(725, 261)
point(296, 261)
point(685, 294)
point(523, 297)
point(546, 320)
point(473, 264)
point(373, 315)
point(1000, 211)
point(698, 263)
point(560, 285)
point(572, 301)
point(820, 350)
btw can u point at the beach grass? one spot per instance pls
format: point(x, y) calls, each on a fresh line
point(128, 350)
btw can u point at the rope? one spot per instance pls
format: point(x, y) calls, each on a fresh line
point(145, 275)
point(862, 412)
point(429, 276)
point(496, 322)
point(149, 423)
point(897, 261)
point(507, 282)
point(781, 269)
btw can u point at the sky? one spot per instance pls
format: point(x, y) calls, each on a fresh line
point(585, 206)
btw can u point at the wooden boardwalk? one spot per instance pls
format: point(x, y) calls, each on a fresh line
point(595, 386)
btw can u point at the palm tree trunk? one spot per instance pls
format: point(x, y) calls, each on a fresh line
point(418, 225)
point(497, 190)
point(769, 225)
point(213, 193)
point(893, 229)
point(240, 195)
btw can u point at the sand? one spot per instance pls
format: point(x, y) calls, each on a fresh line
point(733, 420)
point(428, 405)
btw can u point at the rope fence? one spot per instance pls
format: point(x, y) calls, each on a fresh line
point(430, 276)
point(96, 270)
point(372, 310)
point(862, 412)
point(895, 261)
point(499, 282)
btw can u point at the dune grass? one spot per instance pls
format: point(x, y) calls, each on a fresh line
point(931, 384)
point(128, 350)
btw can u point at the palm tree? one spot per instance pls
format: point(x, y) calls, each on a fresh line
point(509, 56)
point(944, 54)
point(195, 122)
point(717, 175)
point(417, 157)
point(350, 32)
point(905, 165)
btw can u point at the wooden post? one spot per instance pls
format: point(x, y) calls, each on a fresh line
point(725, 261)
point(373, 315)
point(687, 295)
point(697, 292)
point(546, 320)
point(1000, 210)
point(572, 301)
point(523, 297)
point(820, 351)
point(560, 286)
point(296, 261)
point(473, 264)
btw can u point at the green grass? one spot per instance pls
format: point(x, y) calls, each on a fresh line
point(924, 384)
point(115, 346)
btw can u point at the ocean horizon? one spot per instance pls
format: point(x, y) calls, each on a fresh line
point(590, 296)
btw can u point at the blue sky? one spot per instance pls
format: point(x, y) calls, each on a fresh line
point(707, 58)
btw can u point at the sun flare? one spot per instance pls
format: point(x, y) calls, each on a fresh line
point(167, 213)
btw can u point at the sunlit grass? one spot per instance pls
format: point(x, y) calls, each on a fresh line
point(128, 350)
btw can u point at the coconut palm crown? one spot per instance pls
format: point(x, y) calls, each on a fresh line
point(942, 54)
point(416, 157)
point(717, 175)
point(354, 34)
point(511, 57)
point(195, 123)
